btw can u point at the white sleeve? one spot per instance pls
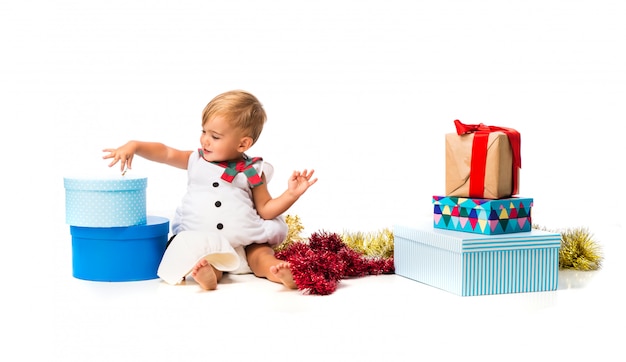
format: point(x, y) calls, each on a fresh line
point(265, 168)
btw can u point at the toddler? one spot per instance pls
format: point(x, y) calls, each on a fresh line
point(227, 220)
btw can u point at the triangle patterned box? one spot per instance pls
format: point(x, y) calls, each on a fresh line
point(482, 216)
point(469, 264)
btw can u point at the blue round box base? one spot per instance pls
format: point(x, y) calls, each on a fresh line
point(119, 254)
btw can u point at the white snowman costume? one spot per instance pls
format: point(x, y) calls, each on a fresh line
point(217, 219)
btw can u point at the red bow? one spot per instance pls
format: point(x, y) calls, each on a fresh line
point(479, 154)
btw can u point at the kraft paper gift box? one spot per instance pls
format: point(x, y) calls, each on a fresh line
point(482, 161)
point(482, 216)
point(105, 202)
point(119, 254)
point(469, 264)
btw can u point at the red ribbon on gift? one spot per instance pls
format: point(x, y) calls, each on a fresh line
point(479, 154)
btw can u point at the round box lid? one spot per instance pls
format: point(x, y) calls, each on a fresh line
point(120, 183)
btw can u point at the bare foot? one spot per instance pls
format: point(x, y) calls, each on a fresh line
point(204, 274)
point(282, 271)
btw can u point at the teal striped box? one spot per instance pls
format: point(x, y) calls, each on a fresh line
point(469, 264)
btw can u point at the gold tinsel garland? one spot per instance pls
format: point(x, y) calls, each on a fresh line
point(578, 250)
point(293, 233)
point(373, 244)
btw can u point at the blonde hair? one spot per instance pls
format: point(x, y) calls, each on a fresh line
point(242, 109)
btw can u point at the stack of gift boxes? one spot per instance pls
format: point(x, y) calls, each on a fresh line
point(113, 239)
point(481, 239)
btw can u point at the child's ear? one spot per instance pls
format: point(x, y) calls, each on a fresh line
point(245, 144)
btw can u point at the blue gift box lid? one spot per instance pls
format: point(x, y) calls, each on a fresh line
point(458, 241)
point(483, 204)
point(120, 183)
point(155, 226)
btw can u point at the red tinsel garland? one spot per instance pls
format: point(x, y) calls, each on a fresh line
point(319, 265)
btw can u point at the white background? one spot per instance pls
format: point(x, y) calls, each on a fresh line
point(361, 91)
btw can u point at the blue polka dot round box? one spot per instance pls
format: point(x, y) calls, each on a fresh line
point(105, 202)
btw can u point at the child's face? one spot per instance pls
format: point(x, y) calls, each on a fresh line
point(221, 142)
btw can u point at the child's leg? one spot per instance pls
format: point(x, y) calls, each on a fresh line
point(264, 264)
point(206, 275)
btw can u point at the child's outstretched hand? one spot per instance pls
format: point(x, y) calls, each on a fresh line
point(122, 154)
point(299, 182)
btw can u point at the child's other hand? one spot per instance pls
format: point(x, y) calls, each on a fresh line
point(299, 182)
point(122, 154)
